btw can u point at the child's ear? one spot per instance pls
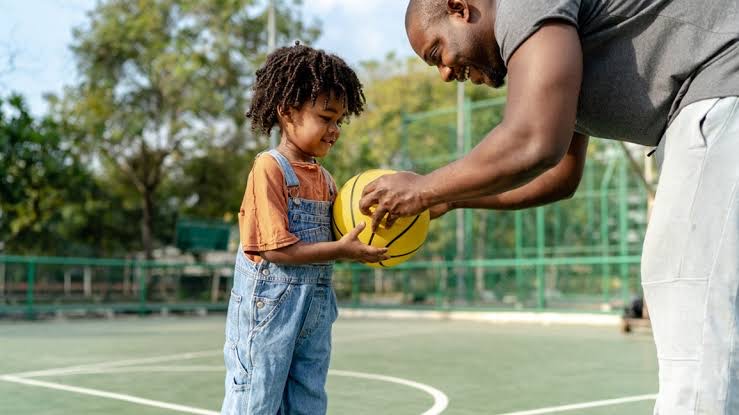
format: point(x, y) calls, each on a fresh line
point(284, 113)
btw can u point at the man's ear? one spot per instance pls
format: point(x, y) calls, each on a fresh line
point(458, 8)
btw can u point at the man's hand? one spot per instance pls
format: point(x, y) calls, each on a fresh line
point(352, 248)
point(437, 211)
point(395, 195)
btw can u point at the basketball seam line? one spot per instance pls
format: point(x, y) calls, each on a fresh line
point(404, 231)
point(399, 235)
point(402, 255)
point(407, 253)
point(351, 199)
point(337, 229)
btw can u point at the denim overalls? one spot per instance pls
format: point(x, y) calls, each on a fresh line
point(278, 328)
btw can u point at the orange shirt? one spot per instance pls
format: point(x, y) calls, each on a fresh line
point(263, 215)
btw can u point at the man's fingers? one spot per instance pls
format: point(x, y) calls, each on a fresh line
point(377, 216)
point(368, 198)
point(366, 202)
point(369, 188)
point(391, 218)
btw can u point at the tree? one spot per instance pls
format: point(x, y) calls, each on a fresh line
point(160, 77)
point(45, 188)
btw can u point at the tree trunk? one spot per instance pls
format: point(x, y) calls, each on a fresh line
point(147, 211)
point(147, 238)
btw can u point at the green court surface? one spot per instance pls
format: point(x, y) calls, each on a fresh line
point(174, 365)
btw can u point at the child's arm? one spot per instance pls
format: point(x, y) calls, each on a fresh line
point(348, 247)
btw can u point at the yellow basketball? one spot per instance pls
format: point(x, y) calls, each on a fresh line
point(403, 239)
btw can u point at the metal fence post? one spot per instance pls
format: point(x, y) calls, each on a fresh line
point(540, 226)
point(623, 229)
point(355, 288)
point(605, 243)
point(30, 282)
point(519, 256)
point(142, 287)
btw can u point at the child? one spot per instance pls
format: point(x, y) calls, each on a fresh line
point(282, 307)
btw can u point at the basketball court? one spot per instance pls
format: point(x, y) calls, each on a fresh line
point(174, 365)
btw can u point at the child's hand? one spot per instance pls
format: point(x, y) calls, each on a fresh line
point(356, 250)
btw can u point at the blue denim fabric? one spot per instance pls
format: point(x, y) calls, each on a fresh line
point(278, 328)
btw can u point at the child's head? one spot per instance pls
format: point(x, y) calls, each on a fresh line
point(308, 93)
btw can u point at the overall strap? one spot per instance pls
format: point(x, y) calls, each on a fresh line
point(329, 181)
point(291, 179)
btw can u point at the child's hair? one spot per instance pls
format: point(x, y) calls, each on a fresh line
point(293, 75)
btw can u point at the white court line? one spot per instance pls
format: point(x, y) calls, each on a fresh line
point(584, 405)
point(134, 369)
point(110, 395)
point(97, 367)
point(440, 399)
point(190, 355)
point(129, 362)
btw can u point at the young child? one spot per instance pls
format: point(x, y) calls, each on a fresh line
point(282, 307)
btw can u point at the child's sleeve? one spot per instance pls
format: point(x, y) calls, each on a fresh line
point(263, 222)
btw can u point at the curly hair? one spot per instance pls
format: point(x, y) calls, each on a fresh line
point(293, 75)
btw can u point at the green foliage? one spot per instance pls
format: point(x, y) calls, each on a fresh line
point(49, 201)
point(211, 184)
point(158, 79)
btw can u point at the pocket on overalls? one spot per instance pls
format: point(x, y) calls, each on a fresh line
point(232, 318)
point(335, 305)
point(236, 344)
point(268, 296)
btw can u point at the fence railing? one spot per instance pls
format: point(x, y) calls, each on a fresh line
point(30, 285)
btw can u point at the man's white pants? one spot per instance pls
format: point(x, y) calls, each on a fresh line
point(690, 264)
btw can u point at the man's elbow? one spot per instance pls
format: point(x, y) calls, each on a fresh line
point(568, 192)
point(570, 184)
point(545, 154)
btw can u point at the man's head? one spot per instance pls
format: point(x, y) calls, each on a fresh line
point(458, 37)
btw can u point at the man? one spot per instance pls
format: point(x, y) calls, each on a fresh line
point(660, 73)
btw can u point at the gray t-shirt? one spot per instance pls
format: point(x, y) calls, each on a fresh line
point(644, 60)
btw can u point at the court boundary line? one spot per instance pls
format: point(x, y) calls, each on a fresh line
point(26, 377)
point(440, 399)
point(584, 405)
point(504, 317)
point(127, 362)
point(190, 355)
point(494, 317)
point(109, 395)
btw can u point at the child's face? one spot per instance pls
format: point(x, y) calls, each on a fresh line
point(311, 130)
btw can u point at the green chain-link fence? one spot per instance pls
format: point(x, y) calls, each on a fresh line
point(578, 254)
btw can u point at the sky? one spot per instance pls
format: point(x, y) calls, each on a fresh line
point(35, 36)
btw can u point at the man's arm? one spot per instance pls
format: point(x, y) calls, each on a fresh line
point(544, 77)
point(557, 183)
